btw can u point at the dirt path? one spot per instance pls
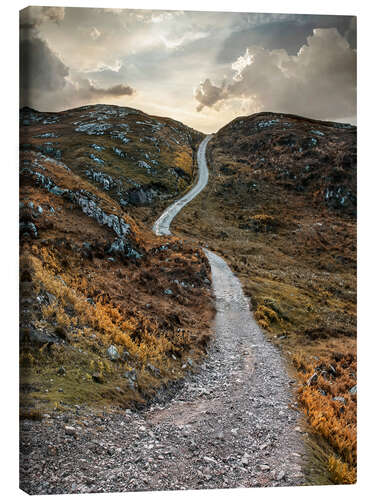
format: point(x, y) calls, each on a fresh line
point(233, 423)
point(162, 225)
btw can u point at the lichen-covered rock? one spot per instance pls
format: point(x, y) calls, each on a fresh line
point(28, 228)
point(96, 159)
point(119, 152)
point(97, 147)
point(47, 135)
point(113, 353)
point(121, 135)
point(93, 128)
point(87, 202)
point(267, 123)
point(145, 165)
point(105, 180)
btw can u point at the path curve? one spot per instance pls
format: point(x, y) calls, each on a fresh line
point(161, 226)
point(232, 424)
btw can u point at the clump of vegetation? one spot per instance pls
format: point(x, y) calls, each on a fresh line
point(328, 396)
point(340, 472)
point(263, 223)
point(30, 414)
point(265, 315)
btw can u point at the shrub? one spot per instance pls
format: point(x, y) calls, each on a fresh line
point(263, 223)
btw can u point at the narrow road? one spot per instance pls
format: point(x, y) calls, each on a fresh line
point(232, 424)
point(161, 226)
point(238, 411)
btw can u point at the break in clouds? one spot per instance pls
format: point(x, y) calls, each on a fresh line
point(44, 77)
point(320, 81)
point(154, 61)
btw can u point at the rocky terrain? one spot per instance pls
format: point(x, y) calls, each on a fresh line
point(109, 313)
point(280, 207)
point(233, 423)
point(291, 154)
point(135, 157)
point(118, 369)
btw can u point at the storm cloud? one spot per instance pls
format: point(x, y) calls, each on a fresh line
point(44, 78)
point(40, 68)
point(320, 81)
point(154, 61)
point(89, 90)
point(31, 18)
point(287, 32)
point(208, 94)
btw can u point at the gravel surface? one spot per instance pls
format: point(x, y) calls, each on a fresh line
point(232, 424)
point(162, 225)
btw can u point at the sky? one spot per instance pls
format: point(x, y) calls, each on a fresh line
point(201, 68)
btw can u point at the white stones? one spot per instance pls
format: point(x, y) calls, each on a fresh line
point(93, 128)
point(118, 134)
point(145, 165)
point(113, 353)
point(279, 475)
point(96, 159)
point(264, 467)
point(71, 431)
point(105, 180)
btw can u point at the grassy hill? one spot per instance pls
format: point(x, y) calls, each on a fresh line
point(109, 313)
point(135, 157)
point(280, 207)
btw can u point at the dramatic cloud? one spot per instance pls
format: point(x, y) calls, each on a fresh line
point(287, 32)
point(208, 94)
point(44, 78)
point(35, 16)
point(320, 81)
point(95, 33)
point(87, 89)
point(247, 62)
point(40, 68)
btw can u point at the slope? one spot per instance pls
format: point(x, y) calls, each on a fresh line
point(109, 313)
point(280, 208)
point(135, 157)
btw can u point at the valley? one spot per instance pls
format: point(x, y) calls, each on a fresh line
point(118, 321)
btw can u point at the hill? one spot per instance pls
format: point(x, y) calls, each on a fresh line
point(109, 313)
point(135, 157)
point(280, 207)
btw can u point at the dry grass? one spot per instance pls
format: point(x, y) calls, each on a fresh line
point(295, 257)
point(336, 420)
point(340, 472)
point(30, 414)
point(86, 302)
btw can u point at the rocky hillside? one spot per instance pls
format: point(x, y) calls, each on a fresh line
point(298, 155)
point(135, 157)
point(280, 207)
point(109, 313)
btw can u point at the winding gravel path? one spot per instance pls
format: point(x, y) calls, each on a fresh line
point(161, 226)
point(233, 423)
point(239, 409)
